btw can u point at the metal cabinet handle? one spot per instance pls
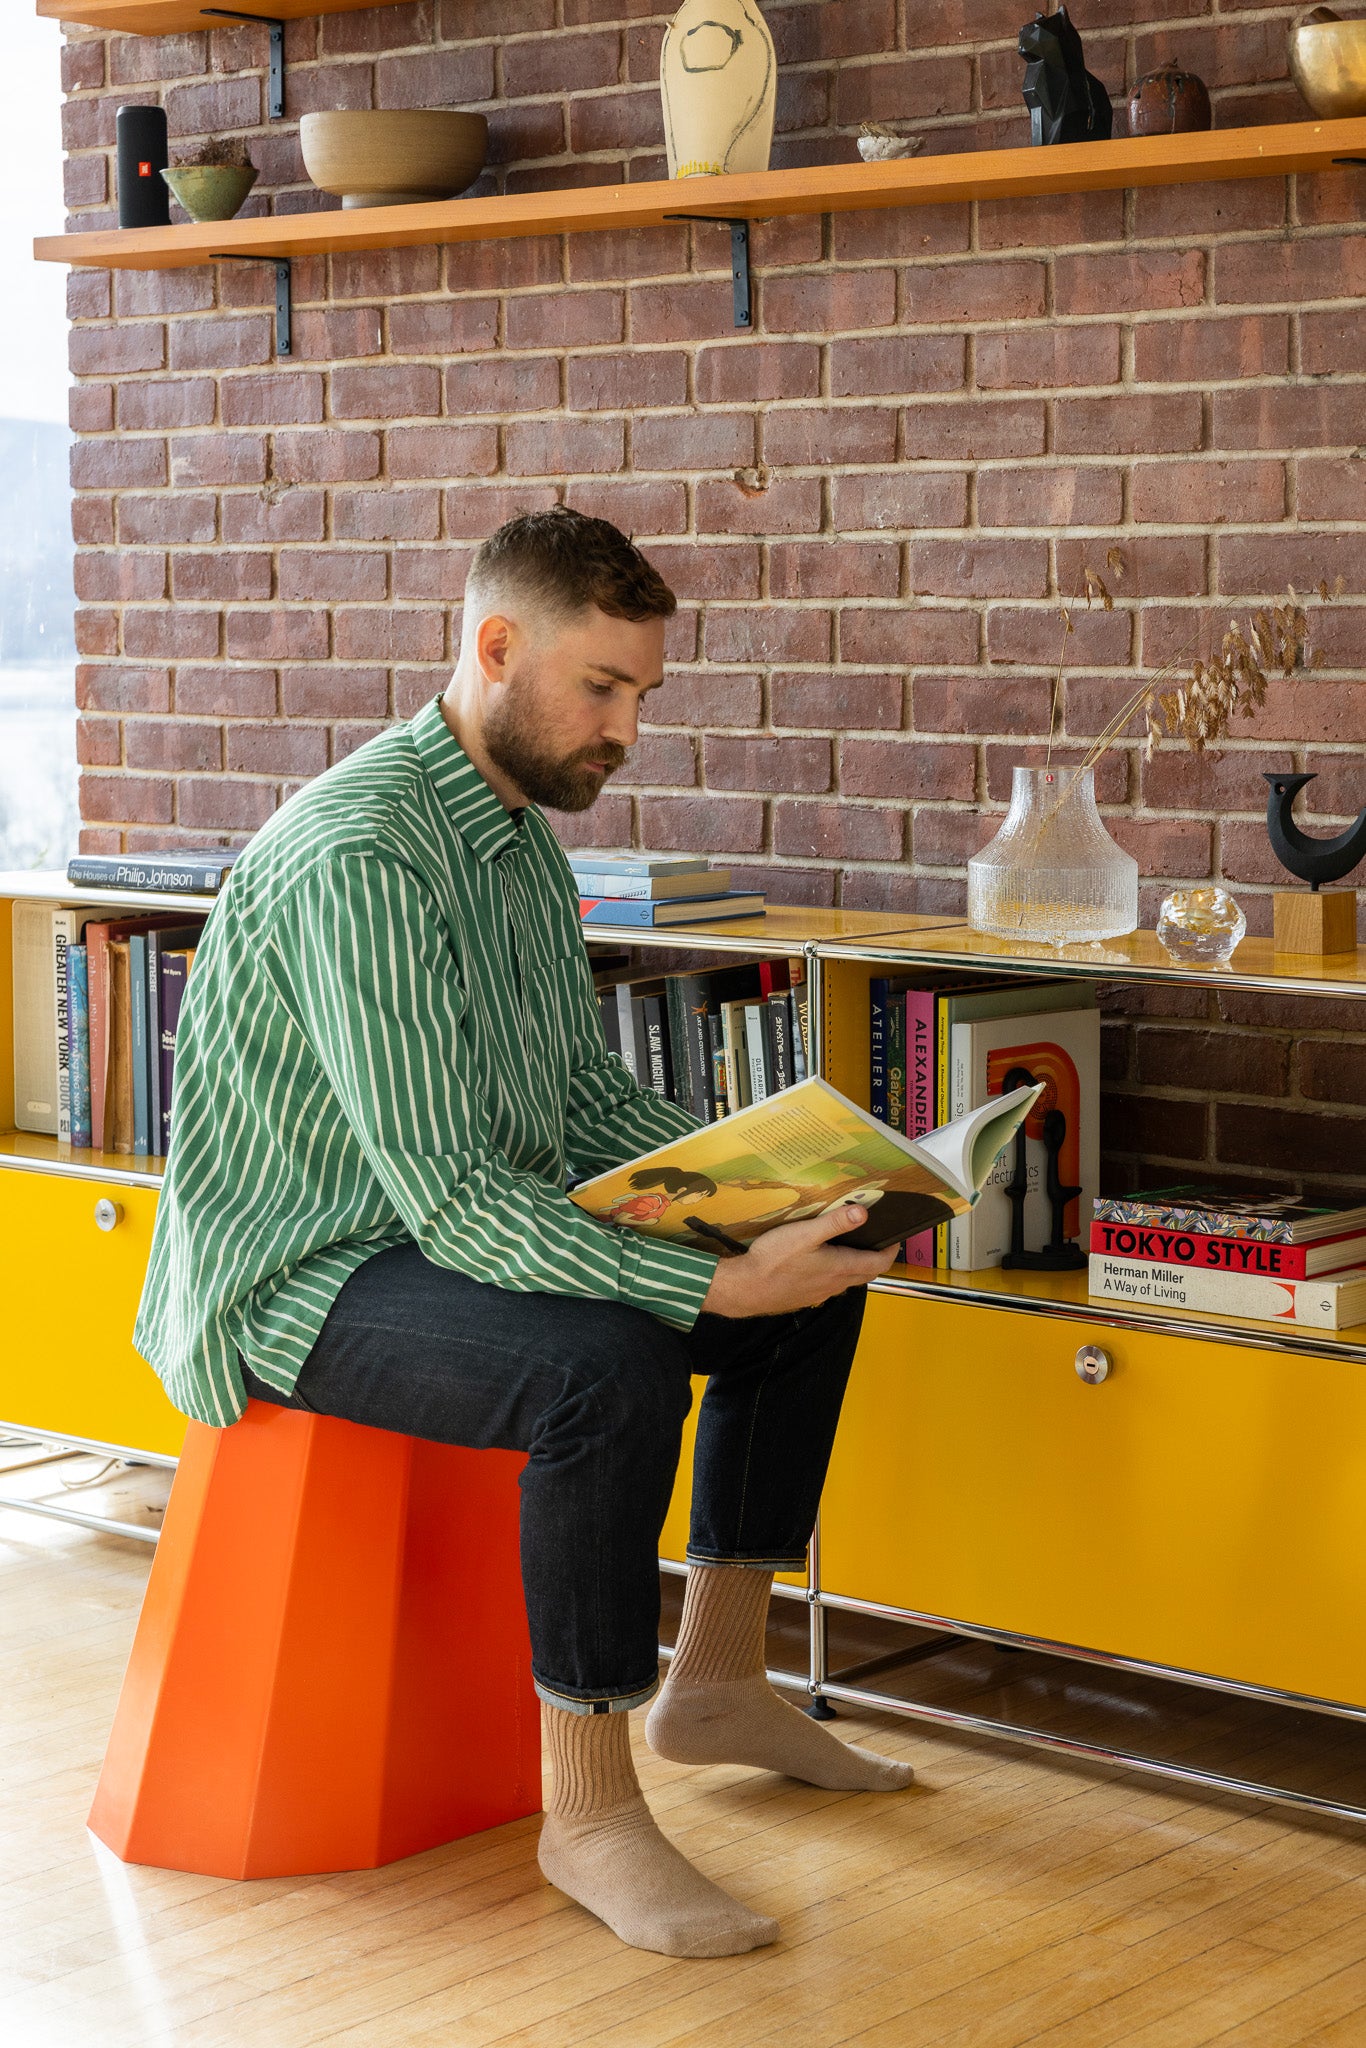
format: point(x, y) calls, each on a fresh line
point(108, 1215)
point(1093, 1364)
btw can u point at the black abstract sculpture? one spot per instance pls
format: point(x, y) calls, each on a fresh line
point(1066, 103)
point(1060, 1254)
point(1315, 861)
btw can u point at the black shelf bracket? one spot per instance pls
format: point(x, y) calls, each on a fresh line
point(284, 304)
point(739, 260)
point(276, 92)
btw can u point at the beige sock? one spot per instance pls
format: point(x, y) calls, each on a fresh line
point(600, 1845)
point(717, 1707)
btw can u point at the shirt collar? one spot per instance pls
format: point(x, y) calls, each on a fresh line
point(471, 805)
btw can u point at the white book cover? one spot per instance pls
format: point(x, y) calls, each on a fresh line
point(1061, 1047)
point(1336, 1303)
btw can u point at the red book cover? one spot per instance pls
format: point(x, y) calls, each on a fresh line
point(1229, 1254)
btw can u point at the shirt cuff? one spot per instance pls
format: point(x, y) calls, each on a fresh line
point(670, 1280)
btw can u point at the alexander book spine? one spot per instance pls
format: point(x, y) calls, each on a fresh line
point(918, 1010)
point(78, 993)
point(1221, 1254)
point(1326, 1304)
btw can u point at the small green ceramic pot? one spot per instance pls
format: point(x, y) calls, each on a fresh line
point(211, 191)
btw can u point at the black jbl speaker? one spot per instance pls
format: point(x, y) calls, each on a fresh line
point(142, 155)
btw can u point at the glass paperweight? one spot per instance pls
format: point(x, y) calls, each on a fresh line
point(1053, 872)
point(1200, 924)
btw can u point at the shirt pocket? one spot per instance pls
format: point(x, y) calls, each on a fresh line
point(558, 999)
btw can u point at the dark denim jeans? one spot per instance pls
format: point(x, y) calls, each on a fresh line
point(595, 1393)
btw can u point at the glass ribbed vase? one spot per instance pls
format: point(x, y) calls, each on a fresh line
point(1053, 872)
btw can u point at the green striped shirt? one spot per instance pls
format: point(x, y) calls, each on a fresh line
point(390, 1036)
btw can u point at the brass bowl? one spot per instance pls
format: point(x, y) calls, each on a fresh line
point(1328, 64)
point(372, 157)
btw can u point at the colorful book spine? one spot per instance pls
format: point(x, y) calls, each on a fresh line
point(896, 1062)
point(716, 1053)
point(175, 973)
point(78, 990)
point(66, 932)
point(656, 1045)
point(1325, 1304)
point(118, 1087)
point(757, 1055)
point(1229, 1254)
point(780, 1038)
point(918, 1011)
point(616, 910)
point(97, 950)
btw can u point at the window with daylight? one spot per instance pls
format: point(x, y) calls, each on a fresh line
point(38, 810)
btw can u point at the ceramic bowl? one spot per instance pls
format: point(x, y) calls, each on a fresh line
point(377, 158)
point(211, 191)
point(1328, 64)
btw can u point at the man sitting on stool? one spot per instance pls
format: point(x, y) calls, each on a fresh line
point(389, 1057)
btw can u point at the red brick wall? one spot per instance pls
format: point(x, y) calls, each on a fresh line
point(870, 506)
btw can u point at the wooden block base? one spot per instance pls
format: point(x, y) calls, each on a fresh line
point(1315, 921)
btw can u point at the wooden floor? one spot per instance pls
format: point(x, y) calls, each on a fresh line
point(1009, 1899)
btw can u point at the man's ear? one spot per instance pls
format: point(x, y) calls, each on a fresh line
point(493, 646)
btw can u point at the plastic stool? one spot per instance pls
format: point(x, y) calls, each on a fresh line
point(331, 1668)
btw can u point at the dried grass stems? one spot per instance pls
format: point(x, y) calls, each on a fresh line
point(1190, 698)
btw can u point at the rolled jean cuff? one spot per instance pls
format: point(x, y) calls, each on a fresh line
point(752, 1564)
point(574, 1703)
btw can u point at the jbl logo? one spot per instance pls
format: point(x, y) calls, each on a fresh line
point(144, 169)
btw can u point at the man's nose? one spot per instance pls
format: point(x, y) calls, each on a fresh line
point(622, 723)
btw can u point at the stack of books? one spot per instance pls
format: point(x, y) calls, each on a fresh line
point(940, 1044)
point(715, 1041)
point(1273, 1257)
point(650, 889)
point(96, 1007)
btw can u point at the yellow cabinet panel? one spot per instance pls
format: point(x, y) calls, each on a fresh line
point(71, 1293)
point(1204, 1507)
point(673, 1543)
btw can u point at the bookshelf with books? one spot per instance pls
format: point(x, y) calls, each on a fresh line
point(1179, 1492)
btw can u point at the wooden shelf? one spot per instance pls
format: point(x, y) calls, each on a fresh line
point(828, 188)
point(172, 17)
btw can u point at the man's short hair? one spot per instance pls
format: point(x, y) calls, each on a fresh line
point(562, 561)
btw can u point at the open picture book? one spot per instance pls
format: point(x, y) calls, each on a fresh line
point(797, 1154)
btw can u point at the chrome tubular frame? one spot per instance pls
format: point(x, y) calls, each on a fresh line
point(81, 1446)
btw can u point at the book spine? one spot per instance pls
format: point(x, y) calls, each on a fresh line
point(78, 989)
point(137, 1039)
point(794, 1025)
point(780, 1038)
point(896, 1062)
point(801, 1004)
point(756, 1051)
point(716, 1053)
point(919, 1016)
point(612, 910)
point(737, 1062)
point(640, 1041)
point(695, 995)
point(110, 873)
point(878, 999)
point(153, 999)
point(1213, 1254)
point(175, 969)
point(656, 1046)
point(1171, 1216)
point(65, 934)
point(941, 1104)
point(1318, 1304)
point(632, 888)
point(118, 1092)
point(626, 1030)
point(97, 949)
point(611, 1023)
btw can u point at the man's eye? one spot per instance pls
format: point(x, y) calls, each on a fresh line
point(601, 689)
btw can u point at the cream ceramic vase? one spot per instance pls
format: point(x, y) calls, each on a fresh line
point(718, 78)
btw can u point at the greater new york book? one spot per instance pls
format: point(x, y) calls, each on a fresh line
point(796, 1154)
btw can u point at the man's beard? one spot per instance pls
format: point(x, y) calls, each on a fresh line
point(558, 783)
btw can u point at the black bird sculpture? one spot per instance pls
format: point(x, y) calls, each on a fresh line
point(1315, 861)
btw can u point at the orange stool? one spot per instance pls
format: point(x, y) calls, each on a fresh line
point(331, 1668)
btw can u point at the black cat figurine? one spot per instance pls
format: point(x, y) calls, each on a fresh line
point(1066, 103)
